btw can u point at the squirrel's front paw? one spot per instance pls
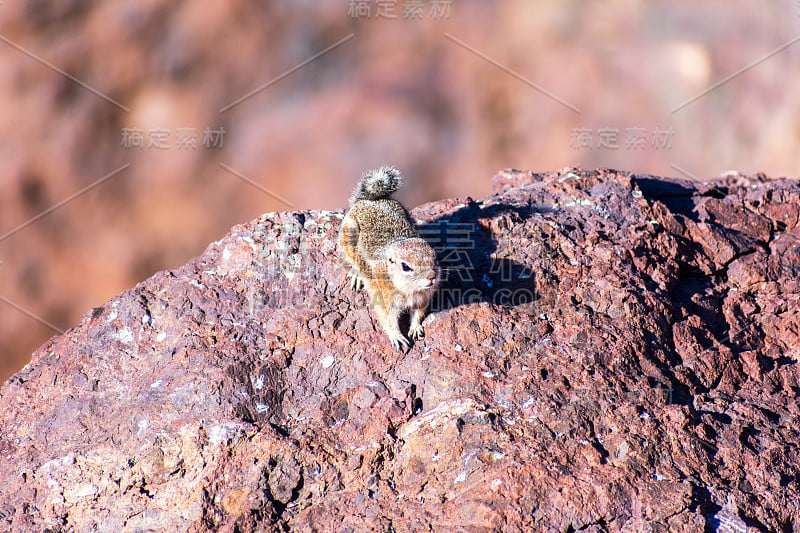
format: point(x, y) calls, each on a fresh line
point(356, 281)
point(416, 332)
point(398, 340)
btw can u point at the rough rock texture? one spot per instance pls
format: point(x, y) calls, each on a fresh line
point(610, 352)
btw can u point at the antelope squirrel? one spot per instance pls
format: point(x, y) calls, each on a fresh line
point(385, 254)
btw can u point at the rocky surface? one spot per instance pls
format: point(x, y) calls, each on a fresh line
point(399, 92)
point(609, 352)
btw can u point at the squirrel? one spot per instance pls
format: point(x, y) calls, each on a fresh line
point(381, 246)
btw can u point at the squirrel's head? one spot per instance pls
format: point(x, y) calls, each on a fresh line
point(412, 266)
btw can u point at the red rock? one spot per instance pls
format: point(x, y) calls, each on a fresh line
point(609, 352)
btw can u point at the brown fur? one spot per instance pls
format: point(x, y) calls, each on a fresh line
point(379, 243)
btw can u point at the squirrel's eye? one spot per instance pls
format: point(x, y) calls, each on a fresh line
point(406, 268)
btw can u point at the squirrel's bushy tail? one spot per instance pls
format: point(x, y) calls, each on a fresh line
point(377, 184)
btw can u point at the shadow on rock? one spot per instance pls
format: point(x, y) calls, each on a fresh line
point(471, 270)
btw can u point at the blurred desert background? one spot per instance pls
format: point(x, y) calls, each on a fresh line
point(310, 94)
